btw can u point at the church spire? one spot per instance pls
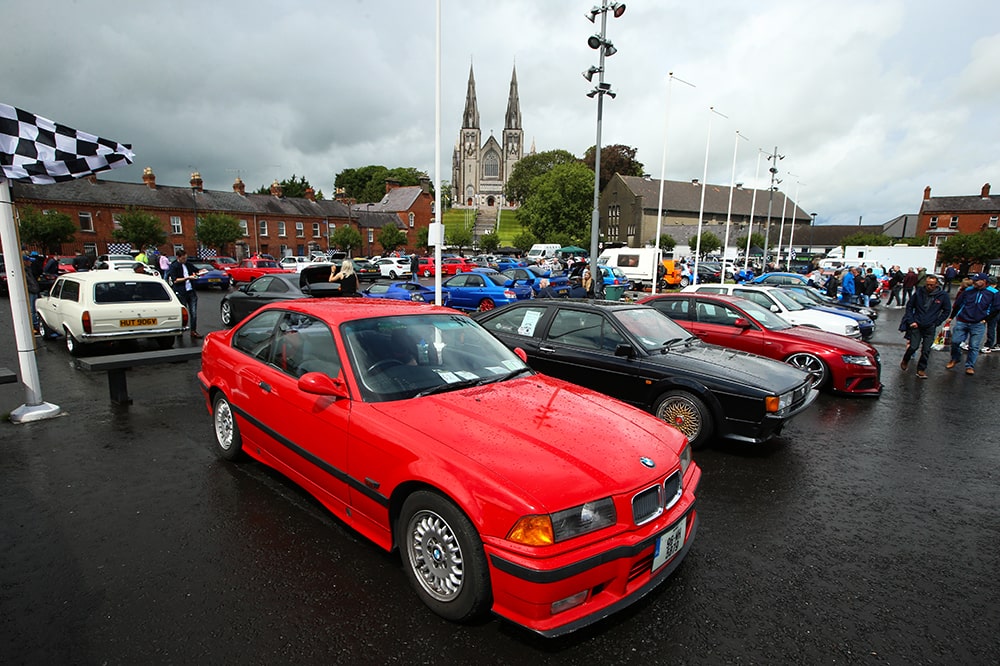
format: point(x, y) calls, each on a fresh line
point(513, 117)
point(470, 119)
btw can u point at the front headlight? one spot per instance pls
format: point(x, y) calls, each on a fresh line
point(685, 459)
point(851, 329)
point(856, 360)
point(776, 403)
point(562, 525)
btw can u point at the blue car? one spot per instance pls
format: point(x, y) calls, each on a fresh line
point(483, 289)
point(504, 263)
point(401, 291)
point(533, 275)
point(208, 275)
point(779, 279)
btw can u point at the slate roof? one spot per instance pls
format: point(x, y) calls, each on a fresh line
point(973, 203)
point(113, 193)
point(396, 200)
point(683, 196)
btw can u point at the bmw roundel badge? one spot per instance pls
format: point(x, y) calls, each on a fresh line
point(648, 462)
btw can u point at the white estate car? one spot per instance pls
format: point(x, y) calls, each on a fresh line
point(778, 301)
point(98, 306)
point(393, 267)
point(297, 263)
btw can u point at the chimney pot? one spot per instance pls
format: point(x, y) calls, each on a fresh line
point(196, 182)
point(276, 189)
point(239, 187)
point(927, 193)
point(986, 191)
point(310, 194)
point(149, 178)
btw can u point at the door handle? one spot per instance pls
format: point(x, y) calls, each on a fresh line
point(547, 350)
point(264, 386)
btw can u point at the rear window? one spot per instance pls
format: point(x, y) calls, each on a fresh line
point(129, 292)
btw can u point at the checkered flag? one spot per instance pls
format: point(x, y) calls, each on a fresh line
point(37, 150)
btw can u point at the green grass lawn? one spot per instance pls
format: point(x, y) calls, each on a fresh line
point(509, 224)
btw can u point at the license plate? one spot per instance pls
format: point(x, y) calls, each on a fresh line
point(131, 323)
point(668, 544)
point(215, 279)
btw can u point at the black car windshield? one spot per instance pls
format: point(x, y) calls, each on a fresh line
point(651, 328)
point(401, 357)
point(765, 317)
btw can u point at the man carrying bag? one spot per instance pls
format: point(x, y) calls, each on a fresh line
point(925, 311)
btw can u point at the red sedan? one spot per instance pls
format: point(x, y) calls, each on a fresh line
point(417, 428)
point(842, 364)
point(249, 270)
point(454, 265)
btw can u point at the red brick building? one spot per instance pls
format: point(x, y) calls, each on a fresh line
point(272, 224)
point(944, 217)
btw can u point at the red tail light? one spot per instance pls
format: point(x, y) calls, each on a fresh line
point(508, 293)
point(184, 316)
point(85, 320)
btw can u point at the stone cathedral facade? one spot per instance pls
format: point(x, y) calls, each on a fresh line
point(480, 169)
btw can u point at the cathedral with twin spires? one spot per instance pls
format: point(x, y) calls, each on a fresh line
point(480, 170)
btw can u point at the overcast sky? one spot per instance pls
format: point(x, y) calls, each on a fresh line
point(869, 101)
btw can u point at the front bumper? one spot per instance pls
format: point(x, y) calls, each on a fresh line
point(757, 432)
point(612, 574)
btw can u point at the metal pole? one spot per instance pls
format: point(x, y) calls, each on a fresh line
point(791, 233)
point(437, 154)
point(770, 201)
point(729, 211)
point(595, 216)
point(753, 206)
point(704, 185)
point(34, 408)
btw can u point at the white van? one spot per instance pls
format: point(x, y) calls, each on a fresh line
point(543, 251)
point(638, 263)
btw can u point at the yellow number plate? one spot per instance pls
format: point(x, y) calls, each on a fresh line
point(130, 323)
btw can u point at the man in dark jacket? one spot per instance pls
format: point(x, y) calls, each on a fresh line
point(869, 285)
point(909, 282)
point(972, 308)
point(925, 311)
point(180, 276)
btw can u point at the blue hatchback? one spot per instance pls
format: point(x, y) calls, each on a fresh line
point(400, 291)
point(483, 289)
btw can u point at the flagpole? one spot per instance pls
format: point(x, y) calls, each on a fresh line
point(34, 408)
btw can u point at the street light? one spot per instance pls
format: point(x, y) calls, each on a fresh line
point(704, 186)
point(663, 173)
point(600, 43)
point(753, 207)
point(791, 234)
point(729, 212)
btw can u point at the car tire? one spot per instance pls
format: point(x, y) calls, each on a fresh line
point(228, 441)
point(46, 331)
point(685, 282)
point(427, 273)
point(73, 346)
point(486, 305)
point(813, 364)
point(226, 313)
point(688, 413)
point(443, 557)
point(392, 274)
point(457, 271)
point(166, 342)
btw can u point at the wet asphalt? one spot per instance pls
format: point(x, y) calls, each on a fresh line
point(868, 532)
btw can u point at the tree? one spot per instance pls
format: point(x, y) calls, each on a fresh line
point(423, 239)
point(390, 237)
point(709, 242)
point(524, 240)
point(614, 159)
point(218, 230)
point(367, 184)
point(756, 240)
point(966, 249)
point(458, 237)
point(292, 187)
point(529, 167)
point(667, 242)
point(867, 238)
point(47, 231)
point(561, 203)
point(140, 228)
point(346, 238)
point(489, 242)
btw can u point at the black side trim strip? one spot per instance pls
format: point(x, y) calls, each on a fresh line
point(338, 474)
point(553, 575)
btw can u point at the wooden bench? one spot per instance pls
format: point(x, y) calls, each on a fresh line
point(7, 376)
point(117, 364)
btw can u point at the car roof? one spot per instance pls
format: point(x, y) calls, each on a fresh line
point(110, 276)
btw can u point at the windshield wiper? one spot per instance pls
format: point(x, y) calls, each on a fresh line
point(448, 386)
point(502, 378)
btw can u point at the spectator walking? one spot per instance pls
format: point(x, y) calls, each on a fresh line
point(415, 267)
point(909, 282)
point(33, 291)
point(180, 276)
point(895, 287)
point(164, 265)
point(847, 286)
point(990, 345)
point(832, 285)
point(868, 287)
point(925, 311)
point(950, 273)
point(973, 307)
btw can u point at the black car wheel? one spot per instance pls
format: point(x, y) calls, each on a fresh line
point(166, 341)
point(73, 346)
point(393, 275)
point(811, 363)
point(427, 273)
point(687, 413)
point(228, 441)
point(226, 313)
point(443, 557)
point(685, 282)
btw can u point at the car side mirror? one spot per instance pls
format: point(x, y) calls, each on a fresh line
point(741, 322)
point(625, 350)
point(321, 384)
point(775, 309)
point(521, 354)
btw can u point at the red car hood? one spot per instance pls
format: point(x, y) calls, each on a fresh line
point(841, 343)
point(560, 444)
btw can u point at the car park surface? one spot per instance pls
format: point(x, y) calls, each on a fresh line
point(428, 448)
point(841, 364)
point(639, 356)
point(107, 306)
